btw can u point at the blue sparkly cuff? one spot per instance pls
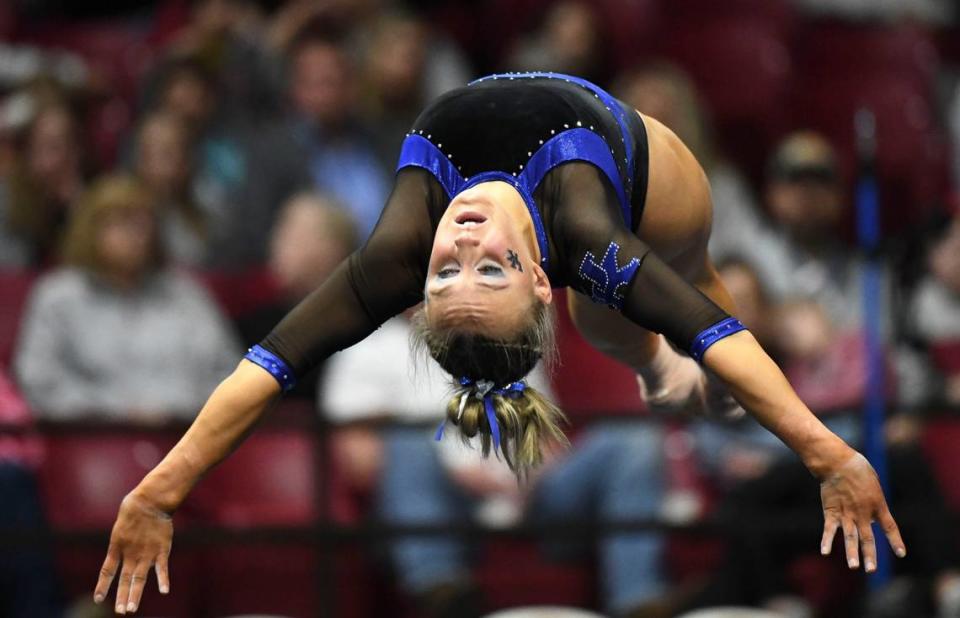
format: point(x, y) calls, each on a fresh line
point(709, 336)
point(275, 365)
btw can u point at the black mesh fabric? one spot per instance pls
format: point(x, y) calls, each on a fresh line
point(587, 219)
point(577, 204)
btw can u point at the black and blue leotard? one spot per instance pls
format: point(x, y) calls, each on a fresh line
point(579, 159)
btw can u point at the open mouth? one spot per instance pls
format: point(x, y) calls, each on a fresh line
point(470, 218)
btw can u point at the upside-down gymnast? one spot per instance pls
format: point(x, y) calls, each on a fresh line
point(505, 189)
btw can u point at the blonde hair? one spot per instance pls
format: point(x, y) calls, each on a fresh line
point(107, 196)
point(526, 419)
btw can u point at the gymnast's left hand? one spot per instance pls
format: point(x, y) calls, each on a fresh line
point(141, 539)
point(852, 499)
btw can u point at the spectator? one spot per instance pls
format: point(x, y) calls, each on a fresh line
point(935, 309)
point(224, 37)
point(406, 65)
point(188, 91)
point(664, 92)
point(612, 474)
point(28, 580)
point(321, 146)
point(36, 199)
point(116, 334)
point(803, 254)
point(312, 236)
point(324, 94)
point(164, 164)
point(568, 42)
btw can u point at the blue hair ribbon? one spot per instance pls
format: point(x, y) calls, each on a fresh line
point(484, 389)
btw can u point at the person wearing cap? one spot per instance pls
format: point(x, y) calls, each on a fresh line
point(801, 252)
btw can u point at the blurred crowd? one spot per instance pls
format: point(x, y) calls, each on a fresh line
point(176, 175)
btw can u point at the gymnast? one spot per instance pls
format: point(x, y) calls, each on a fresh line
point(505, 189)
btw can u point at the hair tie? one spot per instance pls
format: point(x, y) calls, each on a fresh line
point(485, 390)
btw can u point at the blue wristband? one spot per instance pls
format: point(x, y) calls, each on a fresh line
point(275, 365)
point(713, 334)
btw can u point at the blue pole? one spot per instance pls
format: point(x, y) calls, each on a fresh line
point(873, 302)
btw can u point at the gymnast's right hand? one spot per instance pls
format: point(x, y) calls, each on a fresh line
point(141, 538)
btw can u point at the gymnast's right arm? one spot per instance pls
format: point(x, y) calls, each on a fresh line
point(377, 282)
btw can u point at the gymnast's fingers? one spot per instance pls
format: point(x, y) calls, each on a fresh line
point(163, 572)
point(107, 573)
point(890, 529)
point(867, 546)
point(830, 525)
point(851, 542)
point(123, 586)
point(137, 582)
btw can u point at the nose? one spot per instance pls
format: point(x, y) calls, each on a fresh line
point(464, 240)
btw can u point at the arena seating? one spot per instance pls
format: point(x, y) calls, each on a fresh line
point(239, 292)
point(118, 55)
point(83, 480)
point(740, 59)
point(269, 481)
point(889, 70)
point(585, 381)
point(16, 286)
point(940, 440)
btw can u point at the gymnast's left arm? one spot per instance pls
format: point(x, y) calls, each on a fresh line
point(659, 299)
point(611, 265)
point(849, 488)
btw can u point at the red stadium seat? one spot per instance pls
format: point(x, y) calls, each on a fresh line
point(890, 70)
point(269, 481)
point(828, 49)
point(86, 476)
point(530, 579)
point(118, 55)
point(741, 67)
point(83, 480)
point(940, 441)
point(242, 292)
point(631, 28)
point(946, 356)
point(16, 286)
point(585, 381)
point(777, 13)
point(911, 155)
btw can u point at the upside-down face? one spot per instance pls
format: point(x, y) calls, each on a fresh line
point(483, 274)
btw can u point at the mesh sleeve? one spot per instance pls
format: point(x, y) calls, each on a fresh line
point(380, 280)
point(606, 261)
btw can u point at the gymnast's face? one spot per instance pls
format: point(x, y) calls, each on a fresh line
point(483, 272)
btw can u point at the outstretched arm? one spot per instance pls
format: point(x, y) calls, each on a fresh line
point(612, 266)
point(375, 283)
point(849, 488)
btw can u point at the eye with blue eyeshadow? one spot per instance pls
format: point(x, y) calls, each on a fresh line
point(447, 271)
point(490, 269)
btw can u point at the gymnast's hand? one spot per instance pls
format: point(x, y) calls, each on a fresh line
point(852, 499)
point(141, 538)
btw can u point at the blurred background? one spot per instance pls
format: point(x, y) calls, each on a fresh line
point(176, 175)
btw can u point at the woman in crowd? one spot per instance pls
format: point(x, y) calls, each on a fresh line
point(115, 334)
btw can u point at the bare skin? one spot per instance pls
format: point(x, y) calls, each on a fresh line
point(477, 260)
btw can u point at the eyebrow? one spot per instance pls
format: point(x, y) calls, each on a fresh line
point(444, 290)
